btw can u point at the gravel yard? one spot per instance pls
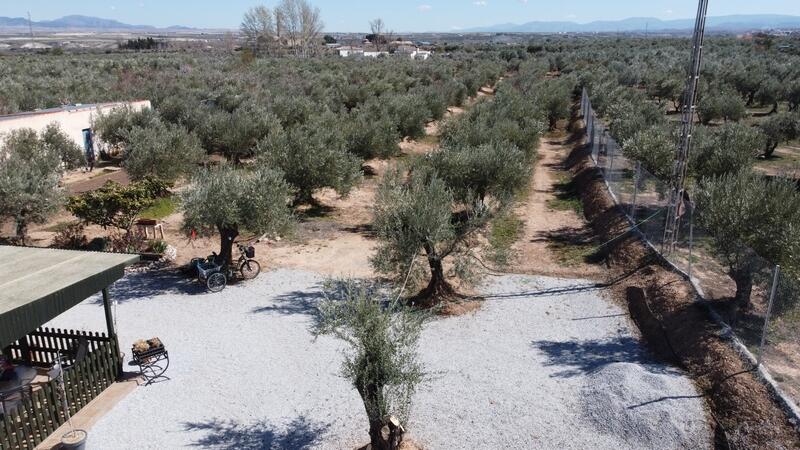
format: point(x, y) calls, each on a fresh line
point(541, 365)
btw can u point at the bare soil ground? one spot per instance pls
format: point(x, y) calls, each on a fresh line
point(679, 329)
point(547, 229)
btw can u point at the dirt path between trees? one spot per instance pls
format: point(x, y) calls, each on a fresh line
point(552, 228)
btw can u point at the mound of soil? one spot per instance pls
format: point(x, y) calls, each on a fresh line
point(680, 329)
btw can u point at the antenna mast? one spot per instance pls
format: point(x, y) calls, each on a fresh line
point(676, 206)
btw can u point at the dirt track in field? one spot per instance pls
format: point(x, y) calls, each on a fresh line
point(544, 224)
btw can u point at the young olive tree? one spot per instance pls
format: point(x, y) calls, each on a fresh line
point(750, 216)
point(164, 151)
point(30, 170)
point(312, 156)
point(227, 201)
point(417, 215)
point(382, 362)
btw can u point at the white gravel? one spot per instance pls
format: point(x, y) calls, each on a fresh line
point(541, 365)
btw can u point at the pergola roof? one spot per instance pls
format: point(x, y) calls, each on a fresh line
point(38, 284)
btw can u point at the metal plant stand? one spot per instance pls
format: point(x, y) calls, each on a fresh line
point(152, 364)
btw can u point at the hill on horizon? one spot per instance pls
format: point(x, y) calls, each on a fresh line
point(733, 23)
point(79, 22)
point(744, 22)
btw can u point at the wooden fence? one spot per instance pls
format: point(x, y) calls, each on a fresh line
point(35, 418)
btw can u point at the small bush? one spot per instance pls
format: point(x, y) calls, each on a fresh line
point(71, 237)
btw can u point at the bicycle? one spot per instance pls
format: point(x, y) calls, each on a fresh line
point(249, 268)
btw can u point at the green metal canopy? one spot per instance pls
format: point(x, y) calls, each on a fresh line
point(38, 284)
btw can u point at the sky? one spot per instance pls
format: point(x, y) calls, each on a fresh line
point(399, 15)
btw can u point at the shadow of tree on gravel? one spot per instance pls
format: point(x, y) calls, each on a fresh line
point(299, 434)
point(296, 302)
point(582, 357)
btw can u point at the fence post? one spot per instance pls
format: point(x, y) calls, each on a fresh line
point(636, 176)
point(775, 279)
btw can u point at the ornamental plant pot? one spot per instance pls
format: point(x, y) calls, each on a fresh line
point(74, 440)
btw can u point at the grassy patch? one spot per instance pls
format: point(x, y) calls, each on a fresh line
point(429, 139)
point(571, 254)
point(162, 208)
point(567, 198)
point(505, 230)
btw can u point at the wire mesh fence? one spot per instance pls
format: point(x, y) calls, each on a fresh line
point(761, 305)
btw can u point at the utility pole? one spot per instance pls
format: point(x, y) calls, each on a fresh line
point(30, 25)
point(677, 207)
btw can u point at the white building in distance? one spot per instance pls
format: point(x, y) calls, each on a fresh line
point(74, 120)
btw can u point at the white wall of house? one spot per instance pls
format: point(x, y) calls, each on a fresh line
point(72, 119)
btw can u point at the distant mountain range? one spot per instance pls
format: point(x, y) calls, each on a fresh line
point(634, 24)
point(77, 22)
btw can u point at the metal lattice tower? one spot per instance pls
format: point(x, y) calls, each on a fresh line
point(675, 208)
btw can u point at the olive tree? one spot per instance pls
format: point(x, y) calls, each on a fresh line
point(654, 147)
point(749, 217)
point(778, 129)
point(113, 127)
point(720, 150)
point(30, 170)
point(164, 151)
point(498, 169)
point(227, 201)
point(416, 214)
point(721, 104)
point(53, 137)
point(312, 156)
point(381, 361)
point(554, 97)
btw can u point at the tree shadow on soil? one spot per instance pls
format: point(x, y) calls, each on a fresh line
point(582, 357)
point(291, 303)
point(301, 433)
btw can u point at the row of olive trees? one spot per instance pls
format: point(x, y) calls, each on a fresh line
point(437, 205)
point(749, 216)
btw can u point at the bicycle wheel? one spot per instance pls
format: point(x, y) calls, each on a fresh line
point(216, 282)
point(250, 269)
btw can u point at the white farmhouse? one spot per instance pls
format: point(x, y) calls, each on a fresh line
point(74, 120)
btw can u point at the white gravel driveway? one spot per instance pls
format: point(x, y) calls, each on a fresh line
point(541, 365)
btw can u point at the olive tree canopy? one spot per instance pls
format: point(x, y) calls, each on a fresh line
point(228, 201)
point(30, 170)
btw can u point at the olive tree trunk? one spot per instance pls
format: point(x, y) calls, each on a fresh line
point(438, 287)
point(744, 287)
point(227, 236)
point(22, 231)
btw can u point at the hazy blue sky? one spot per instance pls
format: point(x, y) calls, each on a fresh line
point(399, 15)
